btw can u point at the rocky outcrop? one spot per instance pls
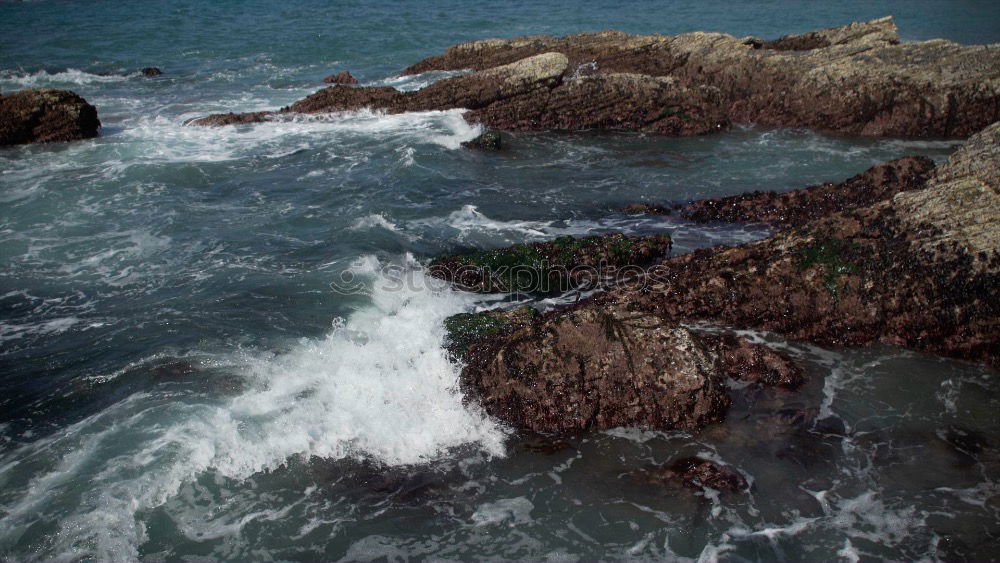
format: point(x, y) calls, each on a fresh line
point(799, 207)
point(855, 79)
point(598, 368)
point(45, 116)
point(342, 77)
point(920, 269)
point(151, 71)
point(552, 267)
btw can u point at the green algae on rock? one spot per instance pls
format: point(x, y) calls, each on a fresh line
point(552, 267)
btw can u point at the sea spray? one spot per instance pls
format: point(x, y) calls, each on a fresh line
point(378, 387)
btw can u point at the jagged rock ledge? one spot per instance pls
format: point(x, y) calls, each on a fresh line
point(46, 116)
point(799, 207)
point(919, 269)
point(856, 79)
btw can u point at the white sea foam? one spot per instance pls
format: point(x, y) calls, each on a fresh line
point(372, 221)
point(13, 331)
point(379, 386)
point(44, 78)
point(506, 510)
point(412, 82)
point(469, 225)
point(162, 139)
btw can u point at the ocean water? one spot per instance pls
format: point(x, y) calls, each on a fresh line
point(184, 377)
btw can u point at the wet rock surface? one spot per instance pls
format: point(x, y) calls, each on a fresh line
point(488, 141)
point(919, 270)
point(598, 368)
point(151, 71)
point(701, 473)
point(799, 207)
point(856, 79)
point(46, 116)
point(552, 267)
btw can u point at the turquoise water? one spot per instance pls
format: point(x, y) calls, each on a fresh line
point(179, 379)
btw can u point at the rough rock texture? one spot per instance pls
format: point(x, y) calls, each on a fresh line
point(921, 270)
point(488, 141)
point(343, 77)
point(854, 79)
point(598, 368)
point(593, 369)
point(151, 71)
point(802, 206)
point(756, 363)
point(45, 116)
point(551, 267)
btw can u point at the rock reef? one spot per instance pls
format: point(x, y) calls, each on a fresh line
point(905, 254)
point(45, 116)
point(856, 79)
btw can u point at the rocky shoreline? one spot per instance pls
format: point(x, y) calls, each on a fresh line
point(904, 253)
point(857, 79)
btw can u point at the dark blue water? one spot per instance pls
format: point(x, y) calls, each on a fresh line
point(180, 378)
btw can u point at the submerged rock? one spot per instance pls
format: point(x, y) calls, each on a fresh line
point(342, 77)
point(855, 79)
point(151, 71)
point(230, 118)
point(552, 267)
point(701, 473)
point(45, 116)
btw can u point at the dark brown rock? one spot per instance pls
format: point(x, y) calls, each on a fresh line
point(151, 71)
point(488, 141)
point(342, 77)
point(220, 119)
point(45, 116)
point(596, 369)
point(799, 207)
point(646, 209)
point(741, 359)
point(593, 368)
